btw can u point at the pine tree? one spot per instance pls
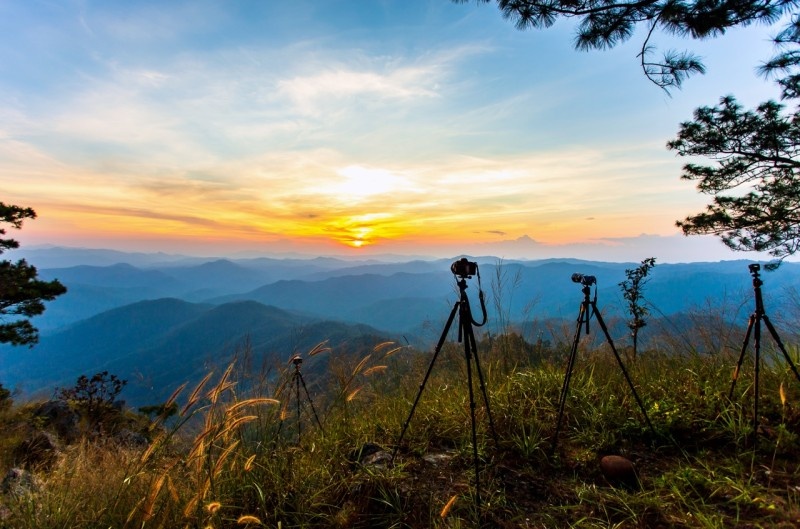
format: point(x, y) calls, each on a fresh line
point(22, 294)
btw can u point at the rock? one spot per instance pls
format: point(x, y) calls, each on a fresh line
point(370, 454)
point(377, 459)
point(39, 450)
point(619, 471)
point(18, 482)
point(435, 459)
point(61, 418)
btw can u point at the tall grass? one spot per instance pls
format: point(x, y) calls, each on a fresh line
point(231, 458)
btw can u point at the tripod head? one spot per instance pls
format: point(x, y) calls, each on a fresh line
point(584, 279)
point(464, 269)
point(754, 271)
point(587, 282)
point(297, 360)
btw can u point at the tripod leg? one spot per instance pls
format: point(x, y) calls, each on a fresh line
point(757, 366)
point(310, 402)
point(471, 337)
point(297, 395)
point(562, 399)
point(777, 339)
point(468, 353)
point(735, 377)
point(439, 345)
point(622, 367)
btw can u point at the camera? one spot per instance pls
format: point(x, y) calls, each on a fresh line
point(297, 360)
point(754, 268)
point(584, 280)
point(464, 268)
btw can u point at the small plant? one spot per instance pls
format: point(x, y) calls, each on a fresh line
point(632, 289)
point(5, 398)
point(94, 397)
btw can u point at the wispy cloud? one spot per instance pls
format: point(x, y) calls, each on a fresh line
point(205, 117)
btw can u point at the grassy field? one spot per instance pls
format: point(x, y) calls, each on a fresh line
point(232, 456)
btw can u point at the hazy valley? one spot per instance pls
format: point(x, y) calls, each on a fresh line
point(160, 320)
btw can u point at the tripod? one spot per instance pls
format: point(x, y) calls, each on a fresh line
point(298, 380)
point(755, 323)
point(462, 269)
point(584, 315)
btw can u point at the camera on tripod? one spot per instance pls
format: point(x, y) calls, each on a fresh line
point(297, 360)
point(584, 280)
point(464, 268)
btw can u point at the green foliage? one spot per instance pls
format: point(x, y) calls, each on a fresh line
point(223, 461)
point(603, 25)
point(94, 397)
point(22, 295)
point(5, 398)
point(785, 64)
point(755, 152)
point(633, 292)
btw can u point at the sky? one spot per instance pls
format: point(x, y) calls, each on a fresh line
point(348, 127)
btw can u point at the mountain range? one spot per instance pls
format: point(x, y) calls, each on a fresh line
point(159, 320)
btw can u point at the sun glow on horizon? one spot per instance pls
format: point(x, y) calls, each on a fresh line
point(333, 130)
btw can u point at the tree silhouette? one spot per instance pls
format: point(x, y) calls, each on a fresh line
point(633, 292)
point(606, 23)
point(22, 295)
point(755, 152)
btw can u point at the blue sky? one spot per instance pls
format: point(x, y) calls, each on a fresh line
point(352, 127)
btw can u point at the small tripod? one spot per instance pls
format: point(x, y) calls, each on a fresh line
point(583, 320)
point(755, 323)
point(298, 380)
point(462, 269)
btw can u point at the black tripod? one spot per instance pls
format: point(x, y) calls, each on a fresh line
point(462, 269)
point(583, 320)
point(755, 323)
point(298, 380)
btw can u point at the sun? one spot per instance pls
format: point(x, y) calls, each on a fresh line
point(361, 230)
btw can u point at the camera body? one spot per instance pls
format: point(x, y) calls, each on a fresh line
point(464, 268)
point(584, 279)
point(755, 267)
point(297, 360)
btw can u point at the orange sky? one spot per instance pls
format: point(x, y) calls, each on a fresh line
point(421, 127)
